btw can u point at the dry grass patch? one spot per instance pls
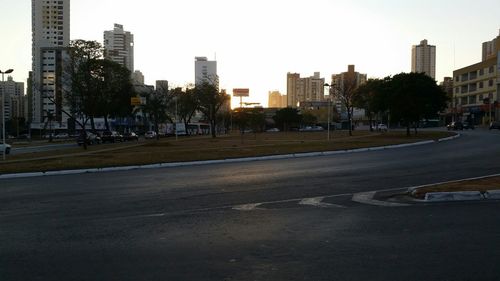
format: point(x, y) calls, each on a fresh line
point(483, 185)
point(202, 148)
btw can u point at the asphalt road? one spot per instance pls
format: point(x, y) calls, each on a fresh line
point(253, 221)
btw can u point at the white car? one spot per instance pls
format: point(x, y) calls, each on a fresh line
point(150, 135)
point(381, 127)
point(5, 148)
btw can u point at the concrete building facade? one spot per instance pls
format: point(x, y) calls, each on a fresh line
point(476, 90)
point(338, 81)
point(119, 46)
point(276, 100)
point(423, 59)
point(50, 39)
point(14, 98)
point(205, 71)
point(307, 89)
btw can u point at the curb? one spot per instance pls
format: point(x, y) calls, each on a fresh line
point(223, 161)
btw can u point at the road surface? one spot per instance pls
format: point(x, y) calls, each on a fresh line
point(268, 220)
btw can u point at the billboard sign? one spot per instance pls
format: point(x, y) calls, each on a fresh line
point(241, 92)
point(135, 101)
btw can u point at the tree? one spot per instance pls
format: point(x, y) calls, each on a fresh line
point(115, 91)
point(309, 119)
point(344, 92)
point(257, 120)
point(371, 96)
point(187, 104)
point(414, 96)
point(287, 117)
point(157, 107)
point(82, 71)
point(210, 101)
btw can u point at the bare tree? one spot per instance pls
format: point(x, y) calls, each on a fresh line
point(345, 91)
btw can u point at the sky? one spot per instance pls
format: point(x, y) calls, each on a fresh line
point(257, 42)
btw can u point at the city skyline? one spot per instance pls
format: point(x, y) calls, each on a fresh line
point(256, 44)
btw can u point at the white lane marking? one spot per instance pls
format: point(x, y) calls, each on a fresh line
point(367, 198)
point(247, 207)
point(317, 202)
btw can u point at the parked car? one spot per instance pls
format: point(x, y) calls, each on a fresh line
point(311, 129)
point(150, 135)
point(380, 127)
point(495, 125)
point(62, 136)
point(455, 126)
point(468, 126)
point(131, 136)
point(5, 148)
point(111, 136)
point(273, 130)
point(90, 139)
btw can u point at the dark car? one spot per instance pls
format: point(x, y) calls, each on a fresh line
point(111, 136)
point(468, 125)
point(131, 136)
point(495, 125)
point(455, 126)
point(89, 138)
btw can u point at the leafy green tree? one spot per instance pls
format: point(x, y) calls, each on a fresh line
point(372, 97)
point(287, 117)
point(257, 120)
point(156, 107)
point(187, 104)
point(309, 119)
point(116, 91)
point(83, 71)
point(414, 96)
point(210, 101)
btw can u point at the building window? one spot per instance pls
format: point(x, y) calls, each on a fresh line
point(492, 69)
point(481, 72)
point(472, 99)
point(490, 83)
point(481, 85)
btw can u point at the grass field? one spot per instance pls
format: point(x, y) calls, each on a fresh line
point(491, 183)
point(203, 148)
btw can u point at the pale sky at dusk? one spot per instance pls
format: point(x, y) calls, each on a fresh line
point(257, 42)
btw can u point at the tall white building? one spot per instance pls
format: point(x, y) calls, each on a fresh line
point(205, 71)
point(423, 59)
point(50, 38)
point(119, 46)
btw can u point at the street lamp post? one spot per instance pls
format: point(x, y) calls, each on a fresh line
point(3, 107)
point(329, 109)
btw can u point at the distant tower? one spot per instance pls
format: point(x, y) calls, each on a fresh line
point(205, 71)
point(119, 46)
point(50, 38)
point(423, 59)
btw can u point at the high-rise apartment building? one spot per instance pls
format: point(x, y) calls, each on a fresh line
point(50, 38)
point(119, 46)
point(14, 98)
point(477, 87)
point(338, 82)
point(137, 78)
point(423, 59)
point(306, 89)
point(276, 100)
point(205, 71)
point(161, 85)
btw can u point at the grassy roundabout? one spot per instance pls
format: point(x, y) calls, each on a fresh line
point(203, 148)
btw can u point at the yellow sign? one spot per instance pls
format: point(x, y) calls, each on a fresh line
point(135, 101)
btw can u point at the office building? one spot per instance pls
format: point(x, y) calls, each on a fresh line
point(423, 59)
point(119, 46)
point(307, 89)
point(205, 71)
point(477, 87)
point(162, 85)
point(50, 39)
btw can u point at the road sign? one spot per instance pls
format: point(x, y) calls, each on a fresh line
point(135, 101)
